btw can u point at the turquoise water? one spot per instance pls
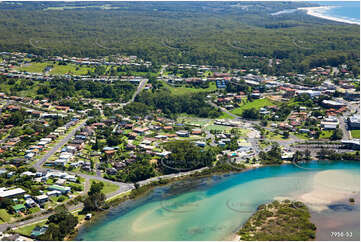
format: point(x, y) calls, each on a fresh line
point(343, 10)
point(209, 208)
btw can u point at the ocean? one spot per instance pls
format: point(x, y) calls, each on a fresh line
point(349, 11)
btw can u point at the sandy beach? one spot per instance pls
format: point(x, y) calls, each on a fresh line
point(326, 191)
point(315, 11)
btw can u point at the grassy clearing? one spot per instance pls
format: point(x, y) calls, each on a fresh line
point(69, 69)
point(119, 196)
point(217, 127)
point(193, 121)
point(225, 116)
point(34, 209)
point(108, 187)
point(5, 216)
point(273, 135)
point(242, 132)
point(301, 136)
point(36, 67)
point(355, 133)
point(187, 90)
point(257, 104)
point(326, 134)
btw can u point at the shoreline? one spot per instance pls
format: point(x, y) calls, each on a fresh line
point(120, 198)
point(312, 11)
point(117, 200)
point(325, 192)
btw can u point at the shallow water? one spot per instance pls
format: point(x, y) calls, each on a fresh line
point(213, 208)
point(344, 10)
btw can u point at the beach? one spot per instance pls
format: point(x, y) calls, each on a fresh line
point(317, 12)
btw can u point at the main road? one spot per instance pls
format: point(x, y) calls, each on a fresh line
point(345, 133)
point(38, 165)
point(122, 187)
point(58, 145)
point(139, 89)
point(224, 110)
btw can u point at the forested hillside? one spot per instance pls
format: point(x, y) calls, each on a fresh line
point(216, 33)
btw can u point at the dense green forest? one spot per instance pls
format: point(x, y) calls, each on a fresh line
point(216, 33)
point(59, 87)
point(171, 105)
point(186, 156)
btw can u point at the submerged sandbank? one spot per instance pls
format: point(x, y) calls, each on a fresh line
point(329, 187)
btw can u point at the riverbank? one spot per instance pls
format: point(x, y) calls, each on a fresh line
point(318, 12)
point(145, 187)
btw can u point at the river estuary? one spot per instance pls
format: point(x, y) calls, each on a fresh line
point(214, 208)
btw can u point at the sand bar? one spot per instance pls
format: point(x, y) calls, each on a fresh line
point(330, 187)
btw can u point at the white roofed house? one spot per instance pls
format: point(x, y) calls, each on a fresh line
point(65, 155)
point(333, 104)
point(62, 189)
point(28, 173)
point(53, 193)
point(29, 156)
point(30, 203)
point(42, 198)
point(9, 193)
point(330, 123)
point(71, 178)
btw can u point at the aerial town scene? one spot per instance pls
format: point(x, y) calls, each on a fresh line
point(179, 121)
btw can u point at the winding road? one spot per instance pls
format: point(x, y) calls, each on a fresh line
point(139, 89)
point(224, 110)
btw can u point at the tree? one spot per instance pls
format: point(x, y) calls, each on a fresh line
point(273, 156)
point(60, 224)
point(307, 154)
point(337, 134)
point(251, 113)
point(286, 134)
point(297, 156)
point(96, 198)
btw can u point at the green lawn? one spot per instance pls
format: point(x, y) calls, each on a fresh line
point(36, 67)
point(273, 135)
point(69, 68)
point(34, 209)
point(225, 116)
point(185, 90)
point(5, 216)
point(192, 120)
point(355, 133)
point(26, 230)
point(257, 104)
point(301, 135)
point(326, 134)
point(218, 127)
point(108, 187)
